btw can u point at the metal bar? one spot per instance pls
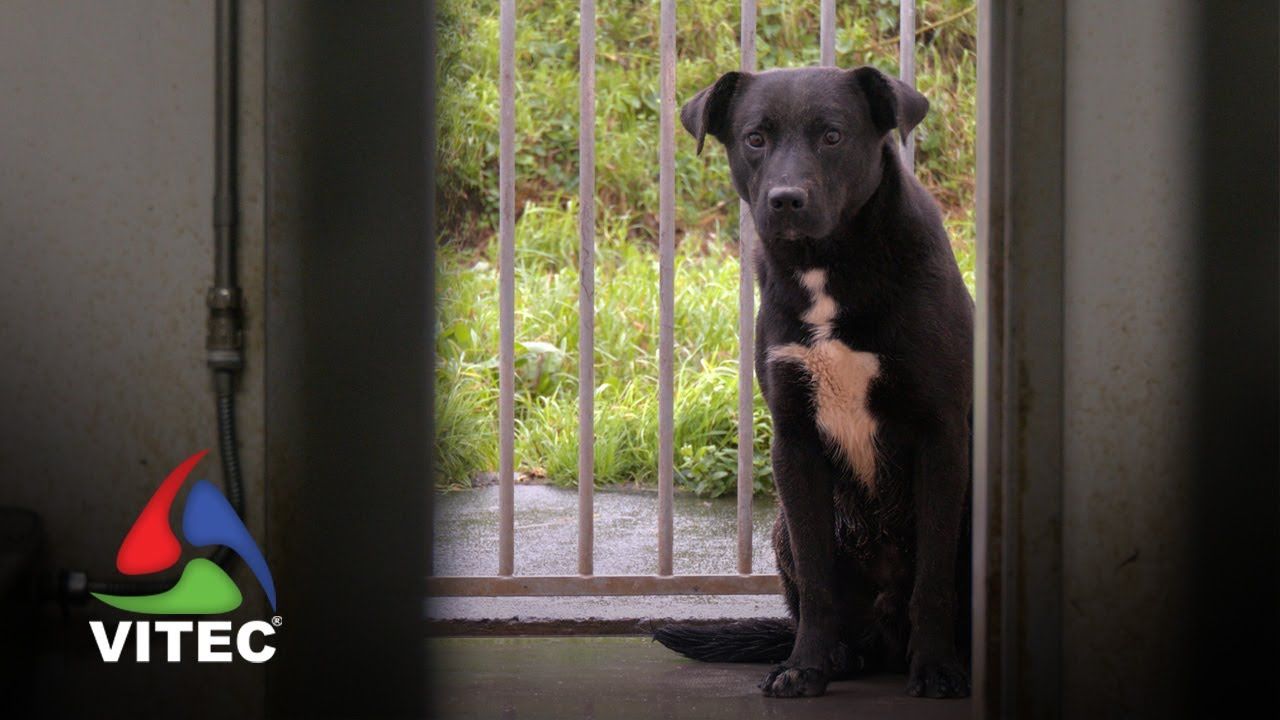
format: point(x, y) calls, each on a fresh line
point(988, 387)
point(603, 585)
point(226, 107)
point(826, 32)
point(666, 283)
point(907, 65)
point(507, 289)
point(581, 627)
point(586, 281)
point(746, 331)
point(1018, 434)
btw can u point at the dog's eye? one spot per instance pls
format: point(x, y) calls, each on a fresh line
point(831, 137)
point(755, 140)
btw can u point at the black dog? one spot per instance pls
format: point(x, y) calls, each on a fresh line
point(864, 355)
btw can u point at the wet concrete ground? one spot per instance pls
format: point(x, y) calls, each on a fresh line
point(522, 678)
point(626, 532)
point(629, 677)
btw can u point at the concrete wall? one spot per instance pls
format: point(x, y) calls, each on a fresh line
point(1127, 156)
point(106, 172)
point(1129, 271)
point(106, 185)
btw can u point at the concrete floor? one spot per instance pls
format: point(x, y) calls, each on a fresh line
point(626, 527)
point(630, 677)
point(622, 676)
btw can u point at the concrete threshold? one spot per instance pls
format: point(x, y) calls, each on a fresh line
point(629, 677)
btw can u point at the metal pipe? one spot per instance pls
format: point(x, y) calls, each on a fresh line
point(746, 330)
point(224, 143)
point(666, 285)
point(586, 282)
point(506, 289)
point(826, 32)
point(907, 66)
point(224, 344)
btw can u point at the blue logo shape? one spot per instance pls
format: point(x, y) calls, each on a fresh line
point(209, 519)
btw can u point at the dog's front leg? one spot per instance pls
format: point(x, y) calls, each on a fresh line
point(804, 476)
point(939, 486)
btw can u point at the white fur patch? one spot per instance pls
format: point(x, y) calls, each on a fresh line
point(840, 376)
point(823, 311)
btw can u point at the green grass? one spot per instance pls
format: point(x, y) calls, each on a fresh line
point(627, 270)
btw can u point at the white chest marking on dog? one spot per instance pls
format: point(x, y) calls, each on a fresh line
point(823, 311)
point(840, 376)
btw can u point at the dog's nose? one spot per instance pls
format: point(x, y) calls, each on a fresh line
point(786, 199)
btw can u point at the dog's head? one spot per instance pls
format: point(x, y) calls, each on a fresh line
point(804, 145)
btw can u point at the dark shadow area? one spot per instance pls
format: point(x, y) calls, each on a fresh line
point(1233, 630)
point(348, 361)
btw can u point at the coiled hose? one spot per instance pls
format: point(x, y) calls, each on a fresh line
point(232, 480)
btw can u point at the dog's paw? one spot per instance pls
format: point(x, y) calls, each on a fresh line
point(938, 679)
point(789, 682)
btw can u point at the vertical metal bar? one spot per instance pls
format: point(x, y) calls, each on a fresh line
point(988, 386)
point(666, 285)
point(507, 289)
point(907, 65)
point(746, 329)
point(586, 281)
point(226, 105)
point(1018, 435)
point(826, 31)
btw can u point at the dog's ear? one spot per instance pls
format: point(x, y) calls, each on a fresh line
point(708, 112)
point(894, 104)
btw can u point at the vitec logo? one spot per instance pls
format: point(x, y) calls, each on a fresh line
point(203, 588)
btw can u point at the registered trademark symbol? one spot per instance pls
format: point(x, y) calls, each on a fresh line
point(277, 620)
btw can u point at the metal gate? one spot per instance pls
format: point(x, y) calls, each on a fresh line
point(664, 581)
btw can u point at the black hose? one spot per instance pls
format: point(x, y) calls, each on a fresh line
point(228, 451)
point(232, 480)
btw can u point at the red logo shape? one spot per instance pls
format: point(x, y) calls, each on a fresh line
point(151, 545)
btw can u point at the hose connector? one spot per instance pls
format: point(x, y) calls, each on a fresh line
point(225, 342)
point(73, 588)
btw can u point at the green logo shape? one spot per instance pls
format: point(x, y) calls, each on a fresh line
point(203, 589)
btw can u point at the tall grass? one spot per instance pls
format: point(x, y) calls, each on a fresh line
point(627, 280)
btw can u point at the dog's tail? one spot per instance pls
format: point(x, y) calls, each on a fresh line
point(746, 641)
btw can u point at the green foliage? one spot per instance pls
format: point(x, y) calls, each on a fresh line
point(626, 363)
point(627, 192)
